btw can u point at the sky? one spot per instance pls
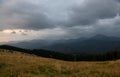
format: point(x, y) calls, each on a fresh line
point(58, 19)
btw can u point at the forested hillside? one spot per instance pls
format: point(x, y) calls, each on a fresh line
point(110, 55)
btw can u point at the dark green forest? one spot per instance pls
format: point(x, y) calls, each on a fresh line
point(107, 56)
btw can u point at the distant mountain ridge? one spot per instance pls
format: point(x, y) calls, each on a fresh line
point(103, 37)
point(96, 44)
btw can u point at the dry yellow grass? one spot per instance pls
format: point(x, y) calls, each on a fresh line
point(23, 65)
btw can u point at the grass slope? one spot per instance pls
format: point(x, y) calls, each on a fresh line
point(15, 64)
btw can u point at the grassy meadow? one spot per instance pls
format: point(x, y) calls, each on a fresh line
point(16, 64)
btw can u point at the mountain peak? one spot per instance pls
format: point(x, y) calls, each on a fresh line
point(104, 37)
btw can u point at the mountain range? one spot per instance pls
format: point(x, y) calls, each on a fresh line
point(96, 44)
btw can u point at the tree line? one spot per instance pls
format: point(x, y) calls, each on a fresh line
point(110, 55)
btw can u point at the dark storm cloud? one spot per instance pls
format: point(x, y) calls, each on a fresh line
point(13, 32)
point(1, 30)
point(118, 0)
point(91, 11)
point(24, 34)
point(23, 15)
point(75, 17)
point(109, 27)
point(17, 14)
point(2, 1)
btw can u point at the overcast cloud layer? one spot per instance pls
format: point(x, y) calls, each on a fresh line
point(76, 18)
